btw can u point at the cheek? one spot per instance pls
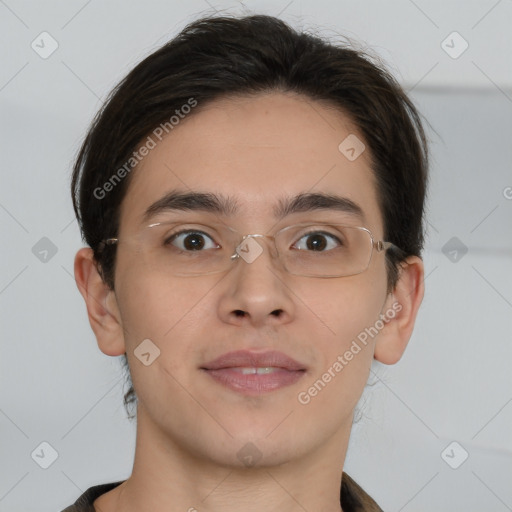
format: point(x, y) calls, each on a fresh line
point(167, 312)
point(172, 313)
point(155, 306)
point(340, 309)
point(343, 315)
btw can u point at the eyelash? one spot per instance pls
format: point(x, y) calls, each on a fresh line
point(172, 237)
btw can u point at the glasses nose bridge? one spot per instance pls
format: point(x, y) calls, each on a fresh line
point(271, 241)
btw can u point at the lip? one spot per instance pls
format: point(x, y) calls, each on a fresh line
point(246, 358)
point(226, 370)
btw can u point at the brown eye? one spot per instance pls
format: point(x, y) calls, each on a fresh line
point(318, 241)
point(191, 241)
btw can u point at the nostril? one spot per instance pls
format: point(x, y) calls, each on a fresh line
point(277, 312)
point(239, 312)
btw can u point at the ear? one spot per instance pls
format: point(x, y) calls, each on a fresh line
point(401, 307)
point(101, 303)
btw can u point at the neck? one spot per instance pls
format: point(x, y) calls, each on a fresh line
point(168, 478)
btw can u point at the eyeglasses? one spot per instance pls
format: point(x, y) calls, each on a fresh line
point(307, 249)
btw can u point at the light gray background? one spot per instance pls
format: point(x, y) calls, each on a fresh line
point(454, 382)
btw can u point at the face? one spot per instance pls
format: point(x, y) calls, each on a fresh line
point(257, 150)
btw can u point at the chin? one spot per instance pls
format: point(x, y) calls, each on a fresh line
point(256, 453)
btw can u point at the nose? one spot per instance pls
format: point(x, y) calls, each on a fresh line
point(257, 291)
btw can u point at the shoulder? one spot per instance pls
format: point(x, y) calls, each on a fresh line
point(353, 497)
point(85, 502)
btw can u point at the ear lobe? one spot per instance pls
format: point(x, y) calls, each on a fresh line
point(101, 303)
point(401, 307)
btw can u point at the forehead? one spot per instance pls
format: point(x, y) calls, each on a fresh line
point(257, 150)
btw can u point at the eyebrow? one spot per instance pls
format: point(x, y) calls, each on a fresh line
point(229, 207)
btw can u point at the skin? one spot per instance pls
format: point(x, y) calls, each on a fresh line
point(189, 428)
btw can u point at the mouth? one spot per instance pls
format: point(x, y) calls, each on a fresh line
point(254, 373)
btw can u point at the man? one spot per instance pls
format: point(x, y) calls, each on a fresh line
point(252, 199)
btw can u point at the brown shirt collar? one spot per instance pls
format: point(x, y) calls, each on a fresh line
point(352, 497)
